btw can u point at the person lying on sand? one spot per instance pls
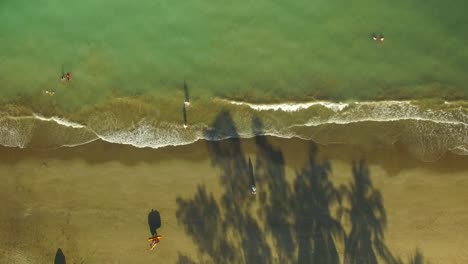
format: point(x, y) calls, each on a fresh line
point(153, 241)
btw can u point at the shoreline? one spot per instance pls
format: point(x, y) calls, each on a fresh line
point(429, 129)
point(387, 157)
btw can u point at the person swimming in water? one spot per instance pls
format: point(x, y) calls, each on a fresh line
point(381, 38)
point(66, 76)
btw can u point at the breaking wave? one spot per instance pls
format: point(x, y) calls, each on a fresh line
point(428, 130)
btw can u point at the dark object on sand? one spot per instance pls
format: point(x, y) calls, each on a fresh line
point(253, 187)
point(154, 222)
point(59, 257)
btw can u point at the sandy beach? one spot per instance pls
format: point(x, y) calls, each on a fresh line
point(92, 202)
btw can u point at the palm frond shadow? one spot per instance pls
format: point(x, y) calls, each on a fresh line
point(293, 223)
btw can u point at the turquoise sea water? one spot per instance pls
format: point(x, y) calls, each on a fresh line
point(128, 62)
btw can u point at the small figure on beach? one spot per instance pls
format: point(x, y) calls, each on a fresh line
point(184, 113)
point(154, 241)
point(253, 186)
point(186, 93)
point(253, 189)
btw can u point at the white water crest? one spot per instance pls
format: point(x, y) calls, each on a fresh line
point(430, 131)
point(145, 135)
point(59, 120)
point(289, 107)
point(390, 111)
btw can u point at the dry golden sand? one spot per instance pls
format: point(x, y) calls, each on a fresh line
point(93, 201)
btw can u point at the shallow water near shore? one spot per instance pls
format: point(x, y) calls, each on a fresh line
point(428, 129)
point(307, 70)
point(257, 51)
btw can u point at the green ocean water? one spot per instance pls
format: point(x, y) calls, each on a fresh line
point(261, 50)
point(129, 60)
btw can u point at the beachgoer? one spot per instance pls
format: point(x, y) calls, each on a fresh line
point(154, 241)
point(254, 189)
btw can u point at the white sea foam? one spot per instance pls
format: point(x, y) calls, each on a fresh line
point(388, 111)
point(289, 107)
point(388, 119)
point(144, 135)
point(12, 137)
point(59, 120)
point(451, 133)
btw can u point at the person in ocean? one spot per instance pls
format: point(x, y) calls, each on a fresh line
point(66, 76)
point(154, 241)
point(381, 38)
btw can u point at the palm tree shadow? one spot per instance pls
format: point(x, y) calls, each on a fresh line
point(275, 194)
point(59, 257)
point(154, 222)
point(225, 230)
point(316, 228)
point(298, 220)
point(365, 242)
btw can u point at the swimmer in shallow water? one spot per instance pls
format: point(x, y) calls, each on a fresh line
point(49, 92)
point(66, 76)
point(381, 38)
